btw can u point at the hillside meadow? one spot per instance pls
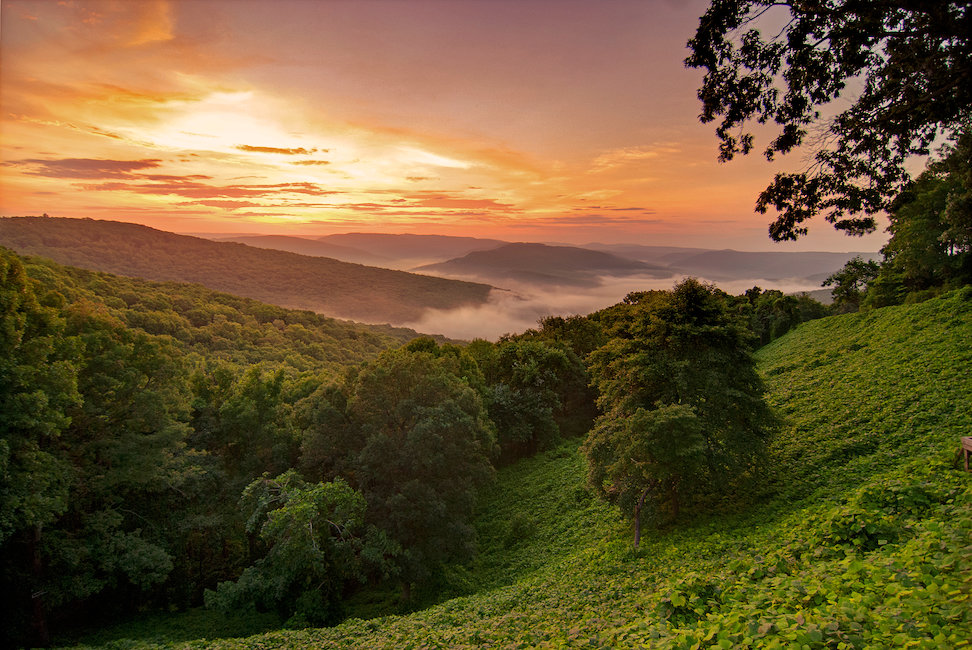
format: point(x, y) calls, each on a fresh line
point(858, 536)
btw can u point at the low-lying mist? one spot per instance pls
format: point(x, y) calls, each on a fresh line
point(517, 308)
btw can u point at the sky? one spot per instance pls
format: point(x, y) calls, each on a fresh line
point(524, 120)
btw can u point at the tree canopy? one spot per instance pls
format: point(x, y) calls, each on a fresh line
point(906, 68)
point(683, 405)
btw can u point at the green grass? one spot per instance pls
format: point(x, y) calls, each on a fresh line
point(861, 536)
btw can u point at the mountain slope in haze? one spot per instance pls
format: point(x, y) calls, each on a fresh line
point(407, 251)
point(542, 264)
point(730, 264)
point(312, 247)
point(282, 278)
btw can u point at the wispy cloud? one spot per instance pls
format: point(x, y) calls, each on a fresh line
point(296, 151)
point(628, 156)
point(88, 168)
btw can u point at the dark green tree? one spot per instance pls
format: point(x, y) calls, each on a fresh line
point(850, 283)
point(786, 63)
point(530, 385)
point(38, 384)
point(410, 433)
point(684, 412)
point(316, 543)
point(930, 249)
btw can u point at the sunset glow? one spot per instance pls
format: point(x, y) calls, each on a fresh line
point(531, 121)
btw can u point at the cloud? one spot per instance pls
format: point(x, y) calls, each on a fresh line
point(596, 219)
point(89, 168)
point(298, 151)
point(195, 190)
point(444, 200)
point(627, 155)
point(311, 162)
point(225, 204)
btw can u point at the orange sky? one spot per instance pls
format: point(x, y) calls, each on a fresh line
point(531, 120)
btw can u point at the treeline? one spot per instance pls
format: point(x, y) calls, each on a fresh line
point(165, 445)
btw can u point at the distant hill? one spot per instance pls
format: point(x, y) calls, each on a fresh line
point(408, 251)
point(282, 278)
point(218, 325)
point(542, 264)
point(645, 253)
point(729, 264)
point(312, 247)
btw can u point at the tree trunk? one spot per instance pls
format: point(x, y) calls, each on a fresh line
point(406, 591)
point(38, 621)
point(637, 518)
point(674, 496)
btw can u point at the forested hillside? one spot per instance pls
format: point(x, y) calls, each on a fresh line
point(858, 535)
point(277, 277)
point(164, 444)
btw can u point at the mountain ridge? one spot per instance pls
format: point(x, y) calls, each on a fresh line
point(320, 284)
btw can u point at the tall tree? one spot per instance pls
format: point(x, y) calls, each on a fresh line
point(787, 62)
point(38, 384)
point(315, 536)
point(931, 232)
point(683, 405)
point(413, 437)
point(850, 283)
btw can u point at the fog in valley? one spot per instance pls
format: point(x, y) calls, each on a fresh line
point(518, 307)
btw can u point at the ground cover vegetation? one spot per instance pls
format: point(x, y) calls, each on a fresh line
point(856, 536)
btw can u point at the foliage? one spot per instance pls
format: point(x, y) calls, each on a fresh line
point(315, 539)
point(219, 326)
point(861, 458)
point(531, 388)
point(772, 313)
point(930, 249)
point(683, 406)
point(787, 63)
point(850, 283)
point(129, 431)
point(38, 381)
point(413, 437)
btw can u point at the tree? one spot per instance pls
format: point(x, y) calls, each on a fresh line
point(528, 383)
point(930, 249)
point(912, 60)
point(316, 538)
point(850, 283)
point(410, 433)
point(38, 384)
point(683, 405)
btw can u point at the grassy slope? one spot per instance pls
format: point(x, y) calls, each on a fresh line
point(864, 540)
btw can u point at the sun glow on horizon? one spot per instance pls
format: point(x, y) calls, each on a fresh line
point(175, 115)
